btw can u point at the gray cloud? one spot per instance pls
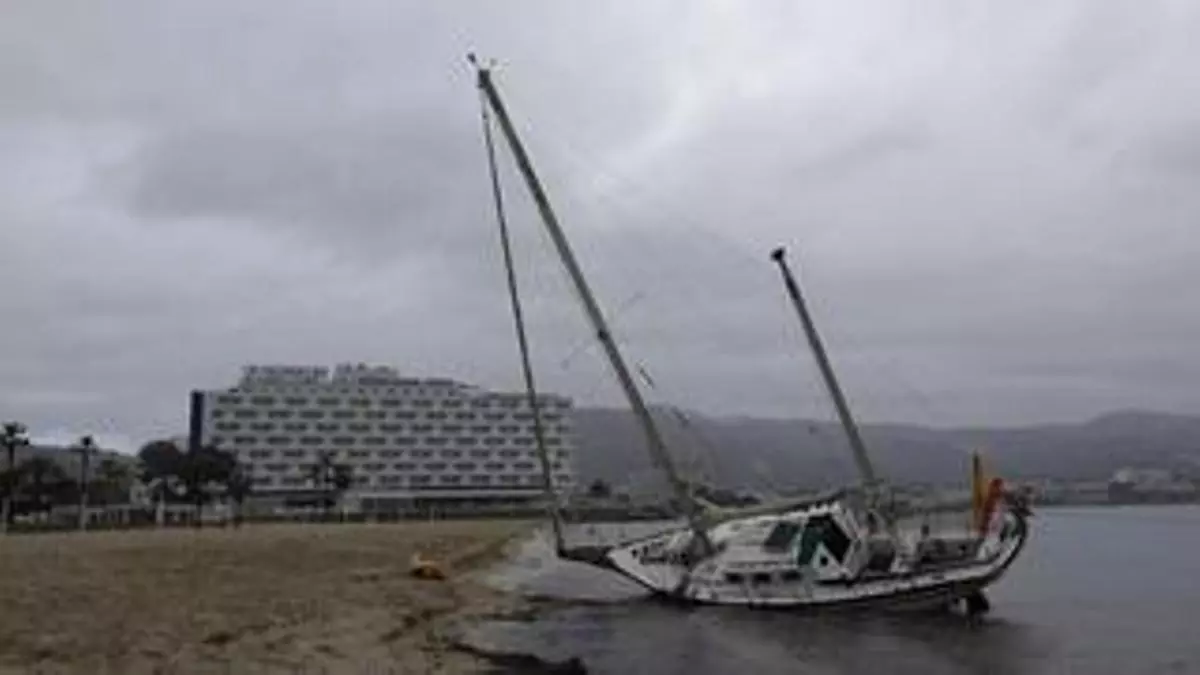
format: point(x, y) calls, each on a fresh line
point(990, 205)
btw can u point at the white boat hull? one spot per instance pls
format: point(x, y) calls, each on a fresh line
point(743, 573)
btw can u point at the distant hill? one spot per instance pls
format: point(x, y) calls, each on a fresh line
point(744, 452)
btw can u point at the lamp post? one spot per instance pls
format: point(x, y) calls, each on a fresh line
point(86, 447)
point(12, 437)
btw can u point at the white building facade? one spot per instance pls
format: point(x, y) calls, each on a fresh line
point(404, 439)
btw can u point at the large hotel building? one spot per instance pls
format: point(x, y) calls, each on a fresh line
point(406, 440)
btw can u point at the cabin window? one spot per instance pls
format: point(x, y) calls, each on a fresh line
point(790, 575)
point(733, 578)
point(760, 578)
point(822, 530)
point(781, 536)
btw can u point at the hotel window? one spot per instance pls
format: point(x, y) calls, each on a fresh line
point(279, 440)
point(279, 414)
point(360, 402)
point(404, 440)
point(244, 440)
point(404, 466)
point(229, 400)
point(359, 454)
point(263, 400)
point(435, 466)
point(480, 454)
point(405, 415)
point(245, 414)
point(293, 454)
point(261, 454)
point(464, 466)
point(481, 480)
point(295, 426)
point(450, 479)
point(390, 403)
point(374, 440)
point(464, 415)
point(295, 400)
point(494, 466)
point(358, 428)
point(326, 427)
point(312, 414)
point(435, 415)
point(343, 414)
point(343, 440)
point(450, 454)
point(312, 440)
point(228, 426)
point(375, 415)
point(328, 401)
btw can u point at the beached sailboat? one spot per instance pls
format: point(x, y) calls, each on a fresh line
point(849, 548)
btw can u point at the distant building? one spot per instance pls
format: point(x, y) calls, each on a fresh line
point(405, 439)
point(1141, 485)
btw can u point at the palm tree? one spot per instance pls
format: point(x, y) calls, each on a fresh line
point(238, 487)
point(86, 447)
point(331, 480)
point(113, 479)
point(12, 436)
point(45, 479)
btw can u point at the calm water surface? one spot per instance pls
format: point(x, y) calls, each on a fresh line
point(1101, 591)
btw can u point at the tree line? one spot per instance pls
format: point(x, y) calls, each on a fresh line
point(170, 475)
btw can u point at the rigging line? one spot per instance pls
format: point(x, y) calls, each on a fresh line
point(585, 345)
point(519, 325)
point(587, 160)
point(701, 464)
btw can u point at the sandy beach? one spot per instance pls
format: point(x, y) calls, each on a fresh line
point(308, 598)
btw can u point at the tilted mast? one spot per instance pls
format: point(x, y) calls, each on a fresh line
point(865, 470)
point(539, 429)
point(654, 439)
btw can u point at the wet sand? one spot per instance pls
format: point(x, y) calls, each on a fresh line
point(263, 599)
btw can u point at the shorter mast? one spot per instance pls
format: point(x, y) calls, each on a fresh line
point(865, 469)
point(539, 433)
point(657, 446)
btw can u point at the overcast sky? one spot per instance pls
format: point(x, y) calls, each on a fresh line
point(992, 205)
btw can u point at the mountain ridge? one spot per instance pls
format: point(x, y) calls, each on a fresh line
point(737, 451)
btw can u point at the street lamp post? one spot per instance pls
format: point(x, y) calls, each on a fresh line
point(12, 437)
point(86, 448)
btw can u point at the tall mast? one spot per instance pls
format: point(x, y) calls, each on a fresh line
point(654, 439)
point(865, 469)
point(539, 433)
